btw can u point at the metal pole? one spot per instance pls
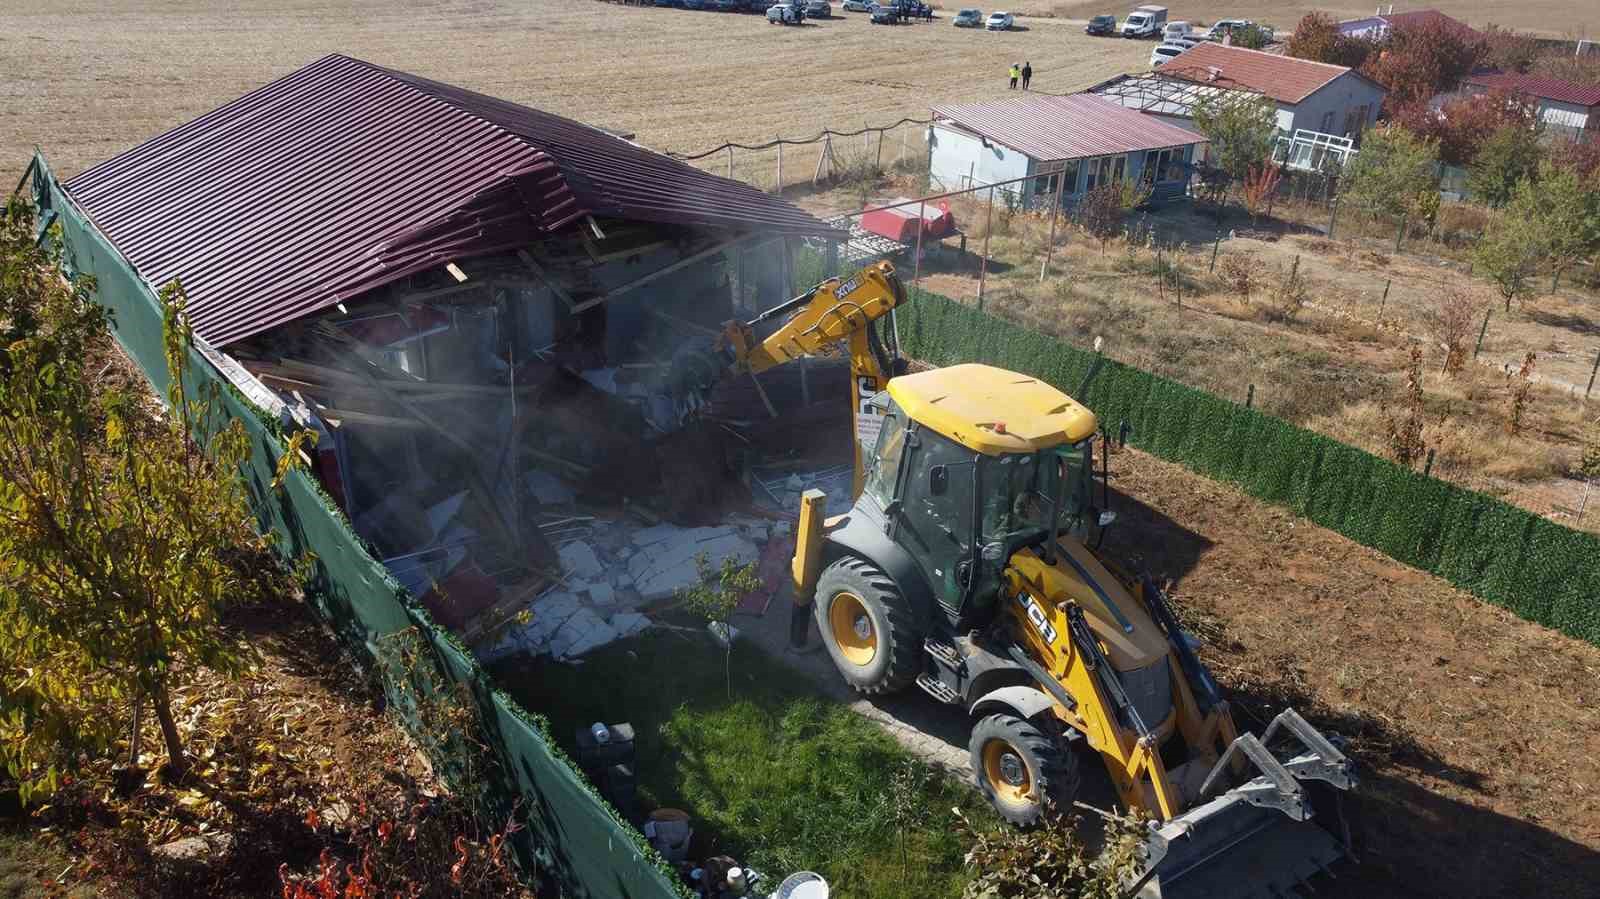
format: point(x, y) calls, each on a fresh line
point(916, 266)
point(1427, 467)
point(1334, 217)
point(1055, 213)
point(1485, 329)
point(877, 160)
point(1401, 234)
point(1594, 371)
point(1250, 397)
point(1385, 301)
point(1216, 245)
point(983, 266)
point(730, 162)
point(1161, 283)
point(780, 164)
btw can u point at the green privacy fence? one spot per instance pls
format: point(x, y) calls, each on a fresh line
point(1542, 571)
point(572, 836)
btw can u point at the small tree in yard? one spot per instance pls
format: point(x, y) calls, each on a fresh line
point(1519, 385)
point(1241, 274)
point(1462, 126)
point(714, 596)
point(1506, 256)
point(1260, 183)
point(1561, 212)
point(1101, 212)
point(1417, 61)
point(1403, 426)
point(1393, 169)
point(1450, 324)
point(1318, 38)
point(1241, 132)
point(1510, 156)
point(122, 539)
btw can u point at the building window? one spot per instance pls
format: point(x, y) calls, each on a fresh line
point(1158, 166)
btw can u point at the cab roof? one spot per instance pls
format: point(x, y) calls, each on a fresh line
point(990, 410)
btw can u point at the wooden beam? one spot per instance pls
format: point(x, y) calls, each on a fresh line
point(527, 259)
point(686, 261)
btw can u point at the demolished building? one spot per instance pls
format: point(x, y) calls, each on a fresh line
point(484, 312)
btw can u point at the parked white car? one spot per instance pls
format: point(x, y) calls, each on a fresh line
point(784, 14)
point(1164, 54)
point(856, 5)
point(1223, 26)
point(1175, 31)
point(1000, 21)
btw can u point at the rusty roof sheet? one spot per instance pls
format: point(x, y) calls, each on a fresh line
point(1072, 127)
point(1286, 79)
point(343, 176)
point(1559, 90)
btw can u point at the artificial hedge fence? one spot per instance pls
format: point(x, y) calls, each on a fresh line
point(1543, 571)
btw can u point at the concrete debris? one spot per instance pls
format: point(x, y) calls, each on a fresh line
point(663, 567)
point(582, 631)
point(196, 847)
point(579, 561)
point(626, 624)
point(548, 489)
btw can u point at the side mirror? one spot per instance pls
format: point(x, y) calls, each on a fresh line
point(938, 480)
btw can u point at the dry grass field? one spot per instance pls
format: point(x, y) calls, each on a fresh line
point(1555, 18)
point(87, 80)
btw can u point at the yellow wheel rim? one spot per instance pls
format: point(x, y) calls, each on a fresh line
point(852, 629)
point(1007, 773)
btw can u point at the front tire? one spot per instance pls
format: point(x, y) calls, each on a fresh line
point(1019, 766)
point(868, 626)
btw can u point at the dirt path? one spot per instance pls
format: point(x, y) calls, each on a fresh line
point(1475, 731)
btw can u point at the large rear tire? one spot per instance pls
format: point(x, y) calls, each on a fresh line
point(1018, 766)
point(868, 626)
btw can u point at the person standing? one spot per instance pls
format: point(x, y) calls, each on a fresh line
point(927, 11)
point(1027, 74)
point(1015, 74)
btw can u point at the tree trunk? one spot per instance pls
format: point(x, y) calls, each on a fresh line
point(169, 728)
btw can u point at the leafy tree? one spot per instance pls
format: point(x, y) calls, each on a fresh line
point(1506, 256)
point(1260, 183)
point(1417, 61)
point(1461, 126)
point(1241, 131)
point(1402, 426)
point(1576, 156)
point(1101, 212)
point(1318, 38)
point(121, 538)
point(1561, 213)
point(714, 596)
point(1508, 51)
point(1392, 171)
point(1510, 155)
point(1250, 37)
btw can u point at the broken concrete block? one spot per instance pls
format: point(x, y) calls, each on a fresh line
point(781, 529)
point(626, 624)
point(578, 559)
point(583, 631)
point(549, 613)
point(664, 568)
point(601, 593)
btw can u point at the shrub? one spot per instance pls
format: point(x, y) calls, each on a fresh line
point(1101, 211)
point(1460, 224)
point(1506, 256)
point(1288, 298)
point(1260, 183)
point(1507, 158)
point(1317, 38)
point(1049, 861)
point(1450, 324)
point(1402, 426)
point(1240, 273)
point(1461, 126)
point(1241, 132)
point(1519, 385)
point(1393, 169)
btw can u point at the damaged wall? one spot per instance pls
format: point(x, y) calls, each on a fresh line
point(571, 833)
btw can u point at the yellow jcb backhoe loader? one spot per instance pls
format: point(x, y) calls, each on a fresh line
point(965, 566)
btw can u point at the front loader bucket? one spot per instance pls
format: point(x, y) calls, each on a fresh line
point(1264, 836)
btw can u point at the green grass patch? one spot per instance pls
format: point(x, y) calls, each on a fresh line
point(778, 777)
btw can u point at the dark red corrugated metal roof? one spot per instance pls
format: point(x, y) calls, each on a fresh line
point(1555, 89)
point(1076, 126)
point(344, 176)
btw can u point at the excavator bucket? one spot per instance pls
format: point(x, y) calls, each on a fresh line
point(1264, 836)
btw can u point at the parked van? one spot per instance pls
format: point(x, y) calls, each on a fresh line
point(1146, 21)
point(1175, 31)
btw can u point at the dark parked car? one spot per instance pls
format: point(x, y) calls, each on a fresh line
point(885, 15)
point(1101, 25)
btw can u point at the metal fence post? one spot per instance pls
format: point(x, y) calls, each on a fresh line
point(1485, 329)
point(983, 265)
point(1400, 235)
point(1250, 397)
point(1592, 372)
point(1216, 245)
point(730, 162)
point(1333, 217)
point(1387, 282)
point(780, 164)
point(1055, 213)
point(916, 267)
point(877, 159)
point(1427, 467)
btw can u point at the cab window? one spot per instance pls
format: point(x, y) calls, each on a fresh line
point(884, 463)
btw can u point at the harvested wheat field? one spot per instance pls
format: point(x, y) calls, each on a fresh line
point(85, 81)
point(1556, 18)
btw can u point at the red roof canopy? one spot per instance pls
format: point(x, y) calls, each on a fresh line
point(344, 176)
point(1286, 79)
point(1556, 89)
